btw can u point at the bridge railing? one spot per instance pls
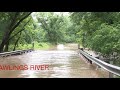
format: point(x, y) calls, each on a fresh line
point(17, 52)
point(109, 67)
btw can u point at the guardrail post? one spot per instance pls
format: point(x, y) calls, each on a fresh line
point(111, 75)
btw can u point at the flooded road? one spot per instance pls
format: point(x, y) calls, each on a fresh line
point(63, 61)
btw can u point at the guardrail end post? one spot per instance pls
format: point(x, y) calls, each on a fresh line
point(90, 62)
point(111, 75)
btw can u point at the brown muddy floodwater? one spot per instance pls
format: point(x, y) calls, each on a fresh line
point(63, 61)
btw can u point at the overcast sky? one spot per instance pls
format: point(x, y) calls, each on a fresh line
point(64, 13)
point(58, 13)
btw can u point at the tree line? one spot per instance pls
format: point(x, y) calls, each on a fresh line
point(20, 28)
point(99, 31)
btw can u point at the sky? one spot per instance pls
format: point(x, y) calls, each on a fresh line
point(58, 13)
point(64, 13)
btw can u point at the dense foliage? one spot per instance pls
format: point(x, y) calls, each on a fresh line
point(99, 31)
point(21, 29)
point(9, 23)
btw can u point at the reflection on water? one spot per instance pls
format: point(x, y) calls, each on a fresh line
point(63, 63)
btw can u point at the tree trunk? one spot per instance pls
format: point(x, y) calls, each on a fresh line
point(10, 29)
point(6, 47)
point(16, 42)
point(5, 37)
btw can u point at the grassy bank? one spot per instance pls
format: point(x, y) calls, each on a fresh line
point(37, 46)
point(42, 46)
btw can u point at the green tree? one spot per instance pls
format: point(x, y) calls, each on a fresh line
point(99, 31)
point(53, 25)
point(10, 20)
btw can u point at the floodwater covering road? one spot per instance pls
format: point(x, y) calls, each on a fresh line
point(63, 62)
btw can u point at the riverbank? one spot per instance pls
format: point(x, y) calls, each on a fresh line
point(37, 46)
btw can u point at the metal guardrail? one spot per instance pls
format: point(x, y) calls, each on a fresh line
point(17, 52)
point(109, 67)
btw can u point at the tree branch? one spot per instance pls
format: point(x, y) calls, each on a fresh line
point(20, 30)
point(13, 19)
point(19, 22)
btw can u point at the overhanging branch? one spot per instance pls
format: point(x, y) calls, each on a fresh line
point(20, 30)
